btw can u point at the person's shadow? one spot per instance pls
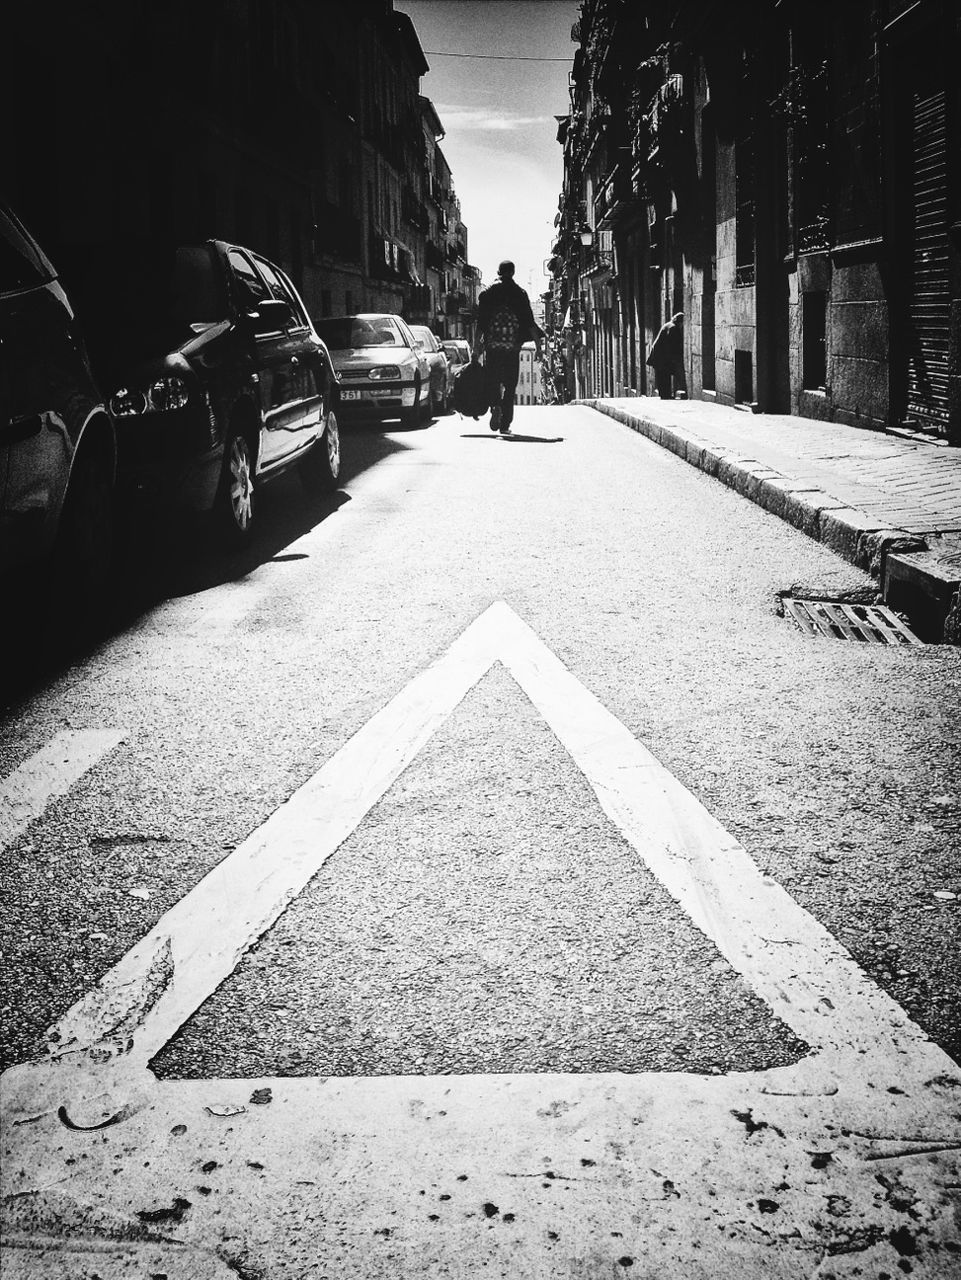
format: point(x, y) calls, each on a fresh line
point(514, 435)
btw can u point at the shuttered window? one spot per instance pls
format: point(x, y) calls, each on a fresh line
point(929, 316)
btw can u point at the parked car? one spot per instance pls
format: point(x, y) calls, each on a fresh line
point(57, 447)
point(458, 352)
point(217, 380)
point(383, 373)
point(441, 374)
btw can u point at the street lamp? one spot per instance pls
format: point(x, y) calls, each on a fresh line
point(601, 256)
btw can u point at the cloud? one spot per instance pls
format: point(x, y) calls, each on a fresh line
point(482, 120)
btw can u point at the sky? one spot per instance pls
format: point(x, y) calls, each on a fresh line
point(498, 114)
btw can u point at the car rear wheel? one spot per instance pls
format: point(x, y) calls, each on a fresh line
point(234, 507)
point(320, 469)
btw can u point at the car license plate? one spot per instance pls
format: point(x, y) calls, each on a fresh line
point(352, 395)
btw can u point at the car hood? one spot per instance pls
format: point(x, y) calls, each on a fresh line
point(137, 361)
point(371, 357)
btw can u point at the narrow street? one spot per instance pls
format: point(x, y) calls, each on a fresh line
point(481, 874)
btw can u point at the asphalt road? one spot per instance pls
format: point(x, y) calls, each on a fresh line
point(486, 916)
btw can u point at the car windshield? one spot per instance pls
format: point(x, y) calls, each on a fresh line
point(140, 301)
point(342, 333)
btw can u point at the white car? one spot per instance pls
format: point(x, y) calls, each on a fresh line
point(441, 373)
point(383, 373)
point(458, 351)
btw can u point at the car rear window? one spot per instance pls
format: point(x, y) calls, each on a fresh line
point(341, 333)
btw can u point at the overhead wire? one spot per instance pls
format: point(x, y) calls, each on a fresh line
point(490, 57)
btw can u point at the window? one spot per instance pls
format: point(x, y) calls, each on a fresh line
point(743, 377)
point(252, 288)
point(343, 333)
point(281, 289)
point(744, 220)
point(814, 365)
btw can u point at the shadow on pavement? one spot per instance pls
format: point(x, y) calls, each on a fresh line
point(161, 556)
point(514, 435)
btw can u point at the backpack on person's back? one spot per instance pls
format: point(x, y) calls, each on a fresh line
point(504, 330)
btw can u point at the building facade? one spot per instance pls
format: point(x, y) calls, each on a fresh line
point(295, 128)
point(530, 387)
point(788, 175)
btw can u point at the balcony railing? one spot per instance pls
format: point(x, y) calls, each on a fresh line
point(616, 198)
point(414, 210)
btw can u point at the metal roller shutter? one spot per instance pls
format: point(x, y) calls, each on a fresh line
point(929, 309)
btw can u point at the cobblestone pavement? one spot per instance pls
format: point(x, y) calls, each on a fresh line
point(888, 502)
point(908, 483)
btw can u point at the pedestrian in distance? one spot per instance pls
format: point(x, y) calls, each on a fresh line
point(505, 322)
point(666, 356)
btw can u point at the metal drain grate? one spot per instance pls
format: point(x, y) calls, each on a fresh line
point(870, 623)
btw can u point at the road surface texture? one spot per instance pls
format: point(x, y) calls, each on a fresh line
point(482, 875)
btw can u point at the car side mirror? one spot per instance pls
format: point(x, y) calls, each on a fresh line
point(270, 315)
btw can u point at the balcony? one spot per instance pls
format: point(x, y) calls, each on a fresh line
point(617, 201)
point(414, 211)
point(384, 259)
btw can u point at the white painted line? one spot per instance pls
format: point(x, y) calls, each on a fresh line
point(49, 773)
point(789, 959)
point(199, 942)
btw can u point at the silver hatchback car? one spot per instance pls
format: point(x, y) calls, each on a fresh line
point(382, 371)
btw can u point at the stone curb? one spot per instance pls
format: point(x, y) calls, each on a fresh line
point(852, 534)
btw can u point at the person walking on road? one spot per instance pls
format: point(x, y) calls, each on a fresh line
point(666, 356)
point(505, 322)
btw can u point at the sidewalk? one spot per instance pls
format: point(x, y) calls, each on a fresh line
point(889, 503)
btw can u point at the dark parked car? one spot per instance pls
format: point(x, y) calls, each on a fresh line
point(217, 380)
point(57, 457)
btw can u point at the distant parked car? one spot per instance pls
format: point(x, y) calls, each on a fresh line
point(441, 374)
point(57, 450)
point(383, 374)
point(458, 352)
point(218, 381)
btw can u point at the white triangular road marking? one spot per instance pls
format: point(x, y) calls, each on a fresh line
point(848, 1155)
